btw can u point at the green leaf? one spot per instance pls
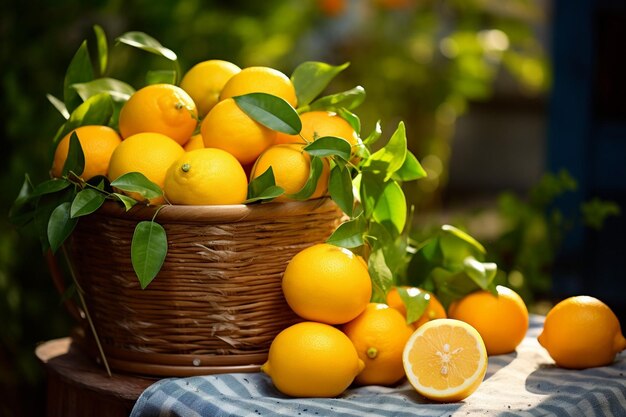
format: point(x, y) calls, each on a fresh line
point(118, 90)
point(384, 202)
point(79, 70)
point(60, 225)
point(349, 234)
point(330, 146)
point(86, 202)
point(311, 78)
point(124, 199)
point(482, 273)
point(59, 105)
point(263, 187)
point(415, 302)
point(45, 204)
point(340, 188)
point(96, 110)
point(351, 118)
point(161, 77)
point(75, 161)
point(410, 170)
point(458, 245)
point(375, 135)
point(136, 182)
point(391, 157)
point(102, 47)
point(309, 188)
point(270, 111)
point(382, 278)
point(146, 43)
point(148, 250)
point(349, 99)
point(50, 186)
point(22, 210)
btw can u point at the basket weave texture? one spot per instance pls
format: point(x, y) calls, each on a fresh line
point(217, 302)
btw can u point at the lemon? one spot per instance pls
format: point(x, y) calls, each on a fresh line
point(582, 332)
point(311, 359)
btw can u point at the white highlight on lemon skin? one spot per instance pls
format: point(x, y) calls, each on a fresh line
point(446, 356)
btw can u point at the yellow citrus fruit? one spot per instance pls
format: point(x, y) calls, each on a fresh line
point(501, 320)
point(195, 142)
point(582, 332)
point(159, 108)
point(206, 176)
point(291, 165)
point(97, 142)
point(227, 127)
point(150, 154)
point(434, 309)
point(260, 80)
point(317, 124)
point(327, 283)
point(205, 80)
point(445, 360)
point(379, 334)
point(311, 359)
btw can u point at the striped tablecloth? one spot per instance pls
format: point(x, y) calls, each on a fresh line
point(524, 383)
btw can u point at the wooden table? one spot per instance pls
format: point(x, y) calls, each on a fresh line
point(78, 387)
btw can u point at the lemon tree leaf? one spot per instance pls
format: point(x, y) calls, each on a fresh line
point(119, 91)
point(458, 245)
point(415, 303)
point(86, 202)
point(59, 105)
point(263, 187)
point(125, 200)
point(309, 188)
point(410, 170)
point(22, 210)
point(382, 278)
point(384, 202)
point(148, 250)
point(270, 111)
point(340, 188)
point(79, 70)
point(96, 110)
point(390, 158)
point(60, 225)
point(145, 42)
point(330, 146)
point(349, 99)
point(161, 77)
point(311, 78)
point(351, 118)
point(374, 135)
point(482, 273)
point(349, 234)
point(102, 48)
point(75, 161)
point(136, 182)
point(50, 186)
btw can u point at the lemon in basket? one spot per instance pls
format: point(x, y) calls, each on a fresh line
point(582, 332)
point(229, 128)
point(327, 283)
point(97, 143)
point(260, 80)
point(205, 80)
point(445, 360)
point(150, 154)
point(312, 359)
point(159, 108)
point(379, 334)
point(206, 176)
point(291, 166)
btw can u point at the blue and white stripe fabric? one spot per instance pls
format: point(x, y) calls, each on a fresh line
point(524, 383)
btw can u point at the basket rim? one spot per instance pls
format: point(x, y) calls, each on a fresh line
point(218, 213)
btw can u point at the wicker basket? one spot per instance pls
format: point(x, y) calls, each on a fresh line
point(217, 303)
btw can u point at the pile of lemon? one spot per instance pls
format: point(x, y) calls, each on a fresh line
point(198, 145)
point(344, 339)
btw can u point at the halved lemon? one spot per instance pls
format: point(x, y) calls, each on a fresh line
point(445, 360)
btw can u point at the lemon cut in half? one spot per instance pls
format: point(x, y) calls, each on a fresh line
point(445, 360)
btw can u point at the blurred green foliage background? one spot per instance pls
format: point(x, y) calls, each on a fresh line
point(420, 61)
